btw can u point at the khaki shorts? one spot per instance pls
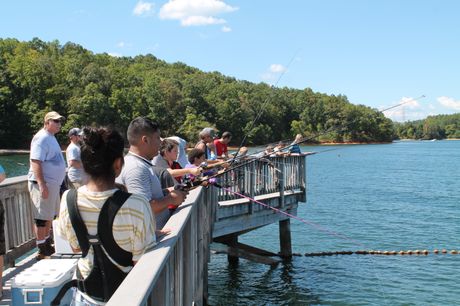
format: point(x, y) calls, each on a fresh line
point(45, 209)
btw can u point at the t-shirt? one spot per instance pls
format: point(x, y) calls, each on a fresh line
point(221, 147)
point(139, 178)
point(45, 148)
point(295, 149)
point(160, 161)
point(73, 153)
point(1, 169)
point(133, 226)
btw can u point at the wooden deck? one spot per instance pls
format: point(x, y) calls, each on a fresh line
point(175, 271)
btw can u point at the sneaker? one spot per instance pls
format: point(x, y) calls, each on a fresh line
point(42, 251)
point(49, 243)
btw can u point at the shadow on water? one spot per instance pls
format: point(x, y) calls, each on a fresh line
point(248, 283)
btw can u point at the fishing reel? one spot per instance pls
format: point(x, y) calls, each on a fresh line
point(204, 166)
point(188, 183)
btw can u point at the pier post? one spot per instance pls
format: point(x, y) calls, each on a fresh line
point(232, 241)
point(285, 238)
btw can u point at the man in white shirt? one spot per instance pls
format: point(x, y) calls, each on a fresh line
point(46, 173)
point(75, 171)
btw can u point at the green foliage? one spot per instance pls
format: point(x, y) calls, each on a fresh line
point(98, 89)
point(433, 127)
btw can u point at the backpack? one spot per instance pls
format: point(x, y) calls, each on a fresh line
point(104, 271)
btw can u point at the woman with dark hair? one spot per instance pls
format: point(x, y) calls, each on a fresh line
point(169, 150)
point(99, 204)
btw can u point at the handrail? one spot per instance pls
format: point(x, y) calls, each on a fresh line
point(19, 232)
point(174, 272)
point(262, 176)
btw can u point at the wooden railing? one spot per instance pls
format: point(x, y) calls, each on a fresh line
point(261, 176)
point(175, 271)
point(19, 233)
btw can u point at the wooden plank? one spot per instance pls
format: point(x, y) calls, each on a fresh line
point(233, 251)
point(255, 250)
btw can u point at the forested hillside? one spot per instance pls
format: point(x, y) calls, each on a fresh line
point(433, 127)
point(99, 89)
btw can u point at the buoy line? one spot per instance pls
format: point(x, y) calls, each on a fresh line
point(377, 252)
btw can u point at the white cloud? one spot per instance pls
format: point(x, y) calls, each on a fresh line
point(124, 44)
point(226, 29)
point(449, 103)
point(277, 68)
point(408, 109)
point(200, 21)
point(273, 73)
point(143, 8)
point(115, 54)
point(195, 12)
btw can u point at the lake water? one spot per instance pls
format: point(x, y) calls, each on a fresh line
point(400, 196)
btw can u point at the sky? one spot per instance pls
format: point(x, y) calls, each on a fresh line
point(378, 53)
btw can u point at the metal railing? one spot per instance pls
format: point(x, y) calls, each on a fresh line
point(19, 232)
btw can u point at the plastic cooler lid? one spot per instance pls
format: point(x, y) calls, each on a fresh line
point(46, 273)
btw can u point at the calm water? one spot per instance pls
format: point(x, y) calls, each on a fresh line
point(15, 165)
point(399, 196)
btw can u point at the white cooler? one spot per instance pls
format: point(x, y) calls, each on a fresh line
point(40, 283)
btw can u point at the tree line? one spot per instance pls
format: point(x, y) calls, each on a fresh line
point(99, 89)
point(433, 127)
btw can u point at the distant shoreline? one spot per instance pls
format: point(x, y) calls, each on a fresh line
point(234, 148)
point(11, 152)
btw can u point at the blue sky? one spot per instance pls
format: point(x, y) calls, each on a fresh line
point(377, 53)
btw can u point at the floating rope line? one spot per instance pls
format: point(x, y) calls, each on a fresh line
point(213, 182)
point(376, 252)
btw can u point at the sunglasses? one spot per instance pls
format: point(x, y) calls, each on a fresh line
point(56, 120)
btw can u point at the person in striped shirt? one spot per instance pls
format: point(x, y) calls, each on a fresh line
point(134, 225)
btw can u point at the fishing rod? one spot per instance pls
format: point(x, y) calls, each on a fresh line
point(307, 139)
point(394, 106)
point(270, 97)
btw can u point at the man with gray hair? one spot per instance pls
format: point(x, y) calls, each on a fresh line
point(206, 144)
point(138, 174)
point(46, 173)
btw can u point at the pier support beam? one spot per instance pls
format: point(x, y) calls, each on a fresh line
point(285, 238)
point(232, 241)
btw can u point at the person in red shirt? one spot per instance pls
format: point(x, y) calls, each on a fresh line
point(221, 145)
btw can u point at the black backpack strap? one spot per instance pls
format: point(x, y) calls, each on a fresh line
point(77, 223)
point(104, 228)
point(57, 300)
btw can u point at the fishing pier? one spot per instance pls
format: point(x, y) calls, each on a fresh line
point(175, 271)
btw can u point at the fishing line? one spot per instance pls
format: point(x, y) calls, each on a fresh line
point(313, 224)
point(264, 104)
point(307, 222)
point(304, 140)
